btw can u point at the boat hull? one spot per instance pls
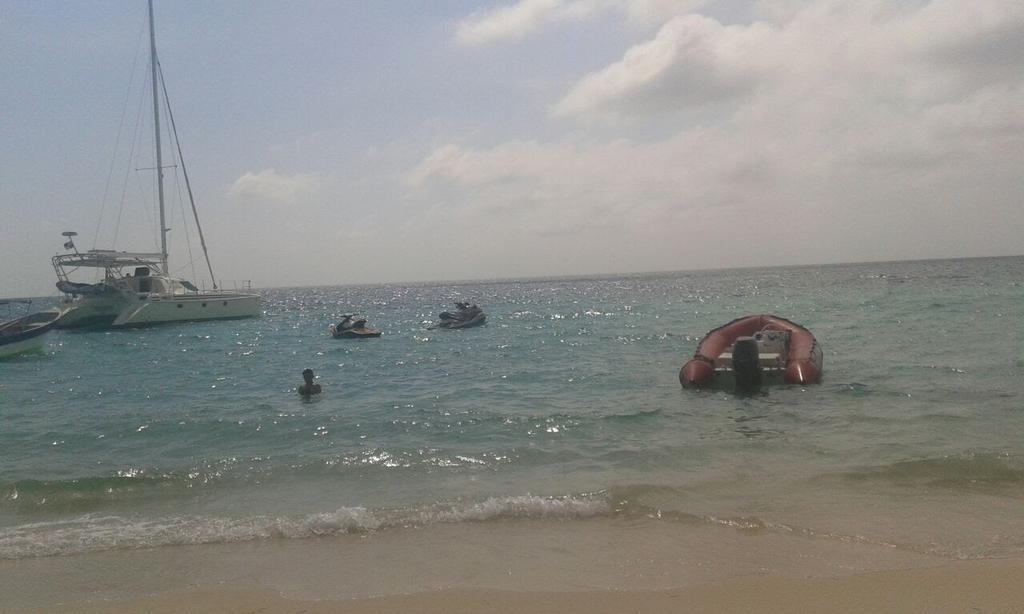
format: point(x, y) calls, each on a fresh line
point(121, 311)
point(804, 359)
point(477, 320)
point(355, 333)
point(26, 334)
point(22, 346)
point(91, 311)
point(160, 309)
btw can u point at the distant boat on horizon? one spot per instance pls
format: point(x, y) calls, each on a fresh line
point(137, 288)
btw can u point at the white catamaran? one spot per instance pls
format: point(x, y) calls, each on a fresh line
point(137, 288)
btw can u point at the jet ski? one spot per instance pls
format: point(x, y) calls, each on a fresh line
point(464, 316)
point(352, 327)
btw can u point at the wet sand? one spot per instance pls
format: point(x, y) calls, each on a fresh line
point(581, 567)
point(969, 586)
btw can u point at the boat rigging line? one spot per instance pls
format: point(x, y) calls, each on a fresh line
point(184, 172)
point(117, 142)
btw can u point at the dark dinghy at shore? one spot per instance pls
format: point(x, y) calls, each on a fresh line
point(25, 334)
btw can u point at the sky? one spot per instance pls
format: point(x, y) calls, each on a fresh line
point(363, 142)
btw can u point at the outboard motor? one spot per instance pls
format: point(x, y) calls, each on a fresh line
point(745, 364)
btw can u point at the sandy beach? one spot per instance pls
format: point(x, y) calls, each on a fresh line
point(521, 566)
point(974, 586)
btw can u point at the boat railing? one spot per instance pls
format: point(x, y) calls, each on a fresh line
point(111, 261)
point(222, 286)
point(235, 285)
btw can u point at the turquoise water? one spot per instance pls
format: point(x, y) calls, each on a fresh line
point(565, 405)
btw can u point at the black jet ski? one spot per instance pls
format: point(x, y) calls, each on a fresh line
point(352, 327)
point(464, 316)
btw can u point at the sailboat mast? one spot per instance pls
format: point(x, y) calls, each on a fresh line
point(156, 130)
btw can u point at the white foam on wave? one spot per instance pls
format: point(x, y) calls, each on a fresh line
point(91, 533)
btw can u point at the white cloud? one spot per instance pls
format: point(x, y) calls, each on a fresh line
point(654, 12)
point(269, 186)
point(693, 60)
point(508, 22)
point(516, 21)
point(572, 186)
point(866, 51)
point(867, 128)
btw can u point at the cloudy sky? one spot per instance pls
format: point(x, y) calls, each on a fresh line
point(360, 142)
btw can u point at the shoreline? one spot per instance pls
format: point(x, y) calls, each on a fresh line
point(964, 586)
point(585, 566)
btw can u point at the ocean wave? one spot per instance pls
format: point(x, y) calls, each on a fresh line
point(148, 484)
point(124, 486)
point(979, 472)
point(84, 494)
point(96, 532)
point(630, 416)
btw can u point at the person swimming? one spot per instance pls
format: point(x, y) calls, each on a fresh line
point(308, 388)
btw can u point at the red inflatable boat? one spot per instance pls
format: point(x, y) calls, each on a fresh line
point(753, 347)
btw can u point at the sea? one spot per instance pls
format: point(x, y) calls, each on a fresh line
point(565, 407)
